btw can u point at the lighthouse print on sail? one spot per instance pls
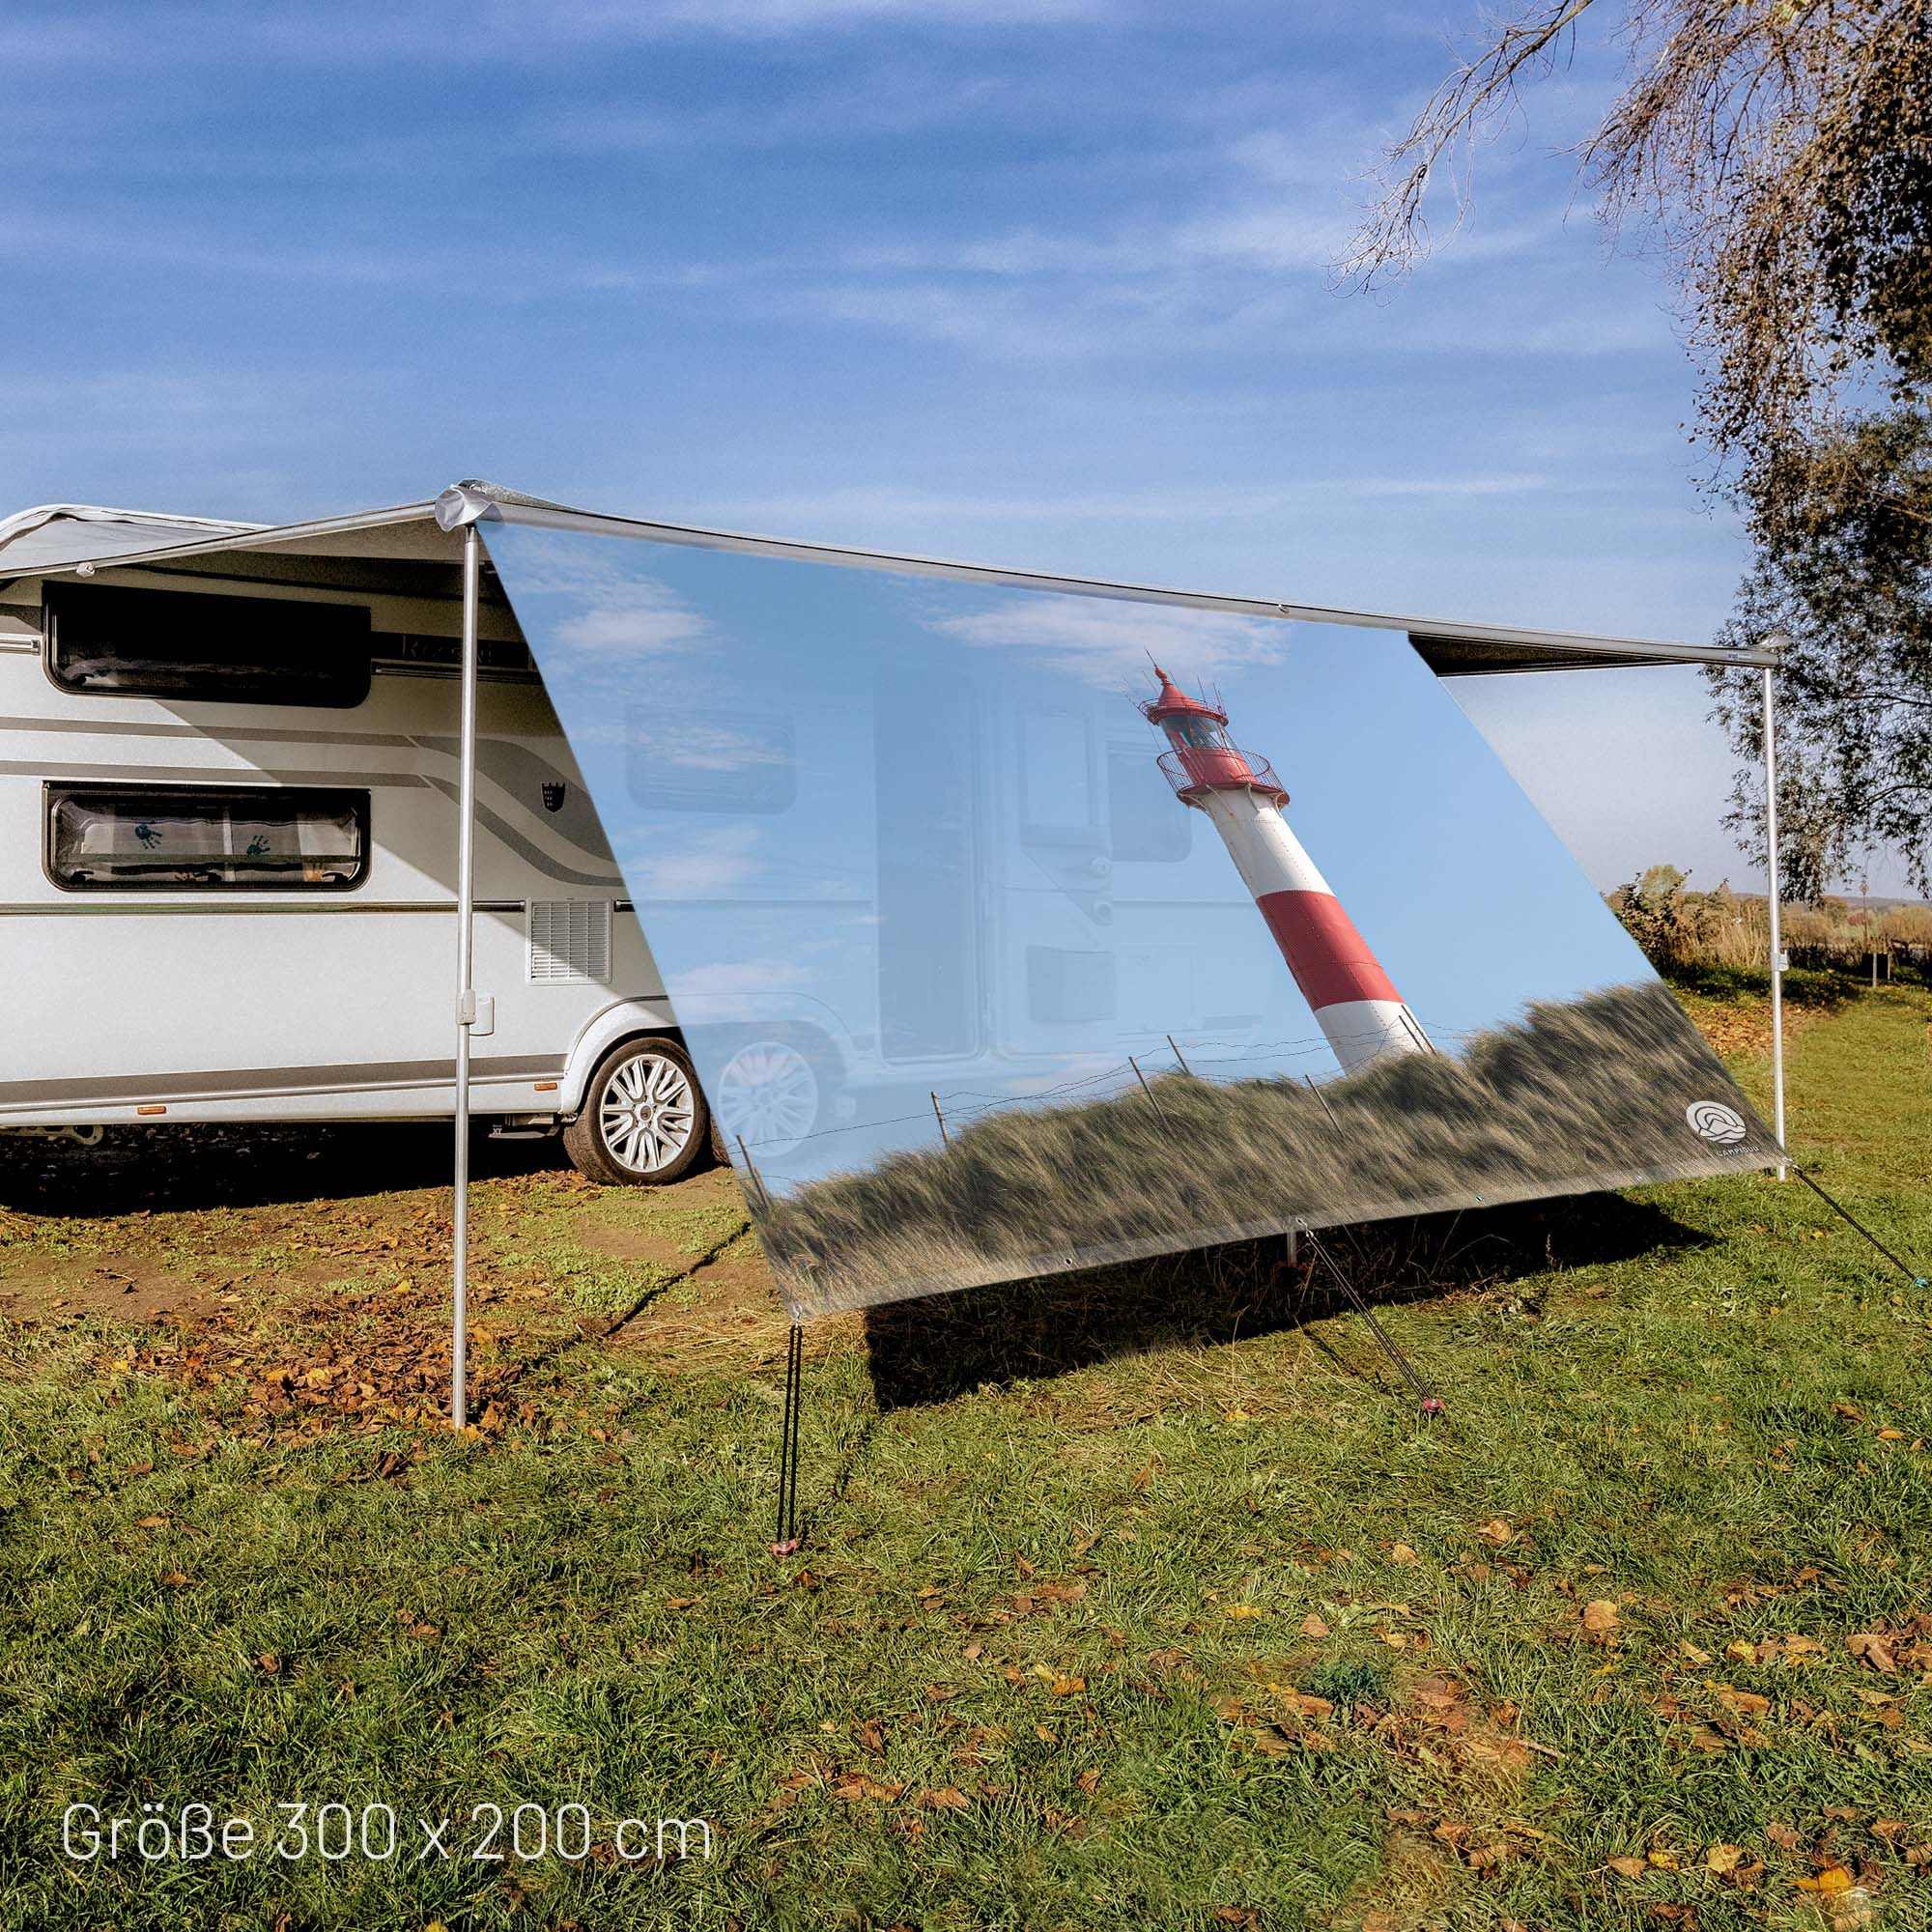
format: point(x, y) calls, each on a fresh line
point(1355, 1003)
point(1014, 931)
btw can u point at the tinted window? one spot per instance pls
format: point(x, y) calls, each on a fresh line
point(206, 839)
point(163, 643)
point(1146, 828)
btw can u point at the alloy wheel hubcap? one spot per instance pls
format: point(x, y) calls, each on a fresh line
point(647, 1113)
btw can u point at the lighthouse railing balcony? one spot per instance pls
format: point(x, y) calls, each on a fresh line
point(1220, 768)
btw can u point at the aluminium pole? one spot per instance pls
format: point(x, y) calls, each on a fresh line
point(1773, 891)
point(465, 990)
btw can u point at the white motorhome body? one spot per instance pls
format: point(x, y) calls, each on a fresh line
point(234, 899)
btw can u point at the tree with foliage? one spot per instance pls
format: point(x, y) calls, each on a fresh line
point(1779, 154)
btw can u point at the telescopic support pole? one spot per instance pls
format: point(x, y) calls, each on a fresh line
point(1773, 893)
point(466, 983)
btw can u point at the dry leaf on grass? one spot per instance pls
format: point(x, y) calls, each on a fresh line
point(1600, 1615)
point(946, 1797)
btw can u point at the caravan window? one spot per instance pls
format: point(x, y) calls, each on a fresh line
point(113, 640)
point(206, 837)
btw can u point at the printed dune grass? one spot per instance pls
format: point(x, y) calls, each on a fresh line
point(1580, 1094)
point(1140, 1597)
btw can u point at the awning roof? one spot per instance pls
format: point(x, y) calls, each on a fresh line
point(58, 539)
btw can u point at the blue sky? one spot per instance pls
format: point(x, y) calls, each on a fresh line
point(1042, 281)
point(922, 817)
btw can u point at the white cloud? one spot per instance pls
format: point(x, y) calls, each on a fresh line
point(638, 621)
point(701, 866)
point(699, 745)
point(1101, 641)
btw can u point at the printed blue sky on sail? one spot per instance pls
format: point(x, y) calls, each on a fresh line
point(924, 820)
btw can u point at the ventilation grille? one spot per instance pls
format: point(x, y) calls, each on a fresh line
point(570, 941)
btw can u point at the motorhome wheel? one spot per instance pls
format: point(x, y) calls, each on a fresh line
point(643, 1121)
point(769, 1095)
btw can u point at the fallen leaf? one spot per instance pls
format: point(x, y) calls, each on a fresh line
point(1872, 1650)
point(1312, 1626)
point(1241, 1612)
point(1600, 1615)
point(871, 1737)
point(1402, 1554)
point(1067, 1686)
point(855, 1787)
point(1630, 1867)
point(1724, 1858)
point(1497, 1532)
point(1831, 1880)
point(946, 1797)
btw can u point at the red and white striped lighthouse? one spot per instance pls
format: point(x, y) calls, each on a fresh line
point(1355, 1001)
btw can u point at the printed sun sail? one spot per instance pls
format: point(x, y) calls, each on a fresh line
point(1014, 931)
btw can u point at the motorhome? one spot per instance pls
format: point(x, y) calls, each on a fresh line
point(227, 836)
point(228, 803)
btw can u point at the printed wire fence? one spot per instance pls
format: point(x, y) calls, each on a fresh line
point(1122, 1075)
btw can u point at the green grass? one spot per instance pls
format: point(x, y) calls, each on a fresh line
point(1050, 1658)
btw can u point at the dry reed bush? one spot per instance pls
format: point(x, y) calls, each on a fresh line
point(1682, 930)
point(1579, 1096)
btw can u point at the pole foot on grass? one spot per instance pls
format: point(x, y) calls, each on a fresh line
point(787, 1541)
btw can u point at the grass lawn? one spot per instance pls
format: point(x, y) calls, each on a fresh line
point(1137, 1600)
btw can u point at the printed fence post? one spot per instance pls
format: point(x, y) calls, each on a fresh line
point(758, 1179)
point(1323, 1098)
point(1146, 1089)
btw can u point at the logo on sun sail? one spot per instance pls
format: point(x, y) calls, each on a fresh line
point(1713, 1122)
point(552, 794)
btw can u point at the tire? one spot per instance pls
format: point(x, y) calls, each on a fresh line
point(772, 1093)
point(643, 1122)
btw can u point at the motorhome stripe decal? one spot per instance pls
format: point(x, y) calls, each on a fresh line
point(89, 728)
point(116, 1090)
point(524, 849)
point(147, 904)
point(204, 775)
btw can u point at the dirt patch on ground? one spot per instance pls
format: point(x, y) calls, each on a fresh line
point(1735, 1031)
point(128, 1292)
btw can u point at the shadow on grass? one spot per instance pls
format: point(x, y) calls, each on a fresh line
point(1821, 989)
point(194, 1168)
point(944, 1345)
